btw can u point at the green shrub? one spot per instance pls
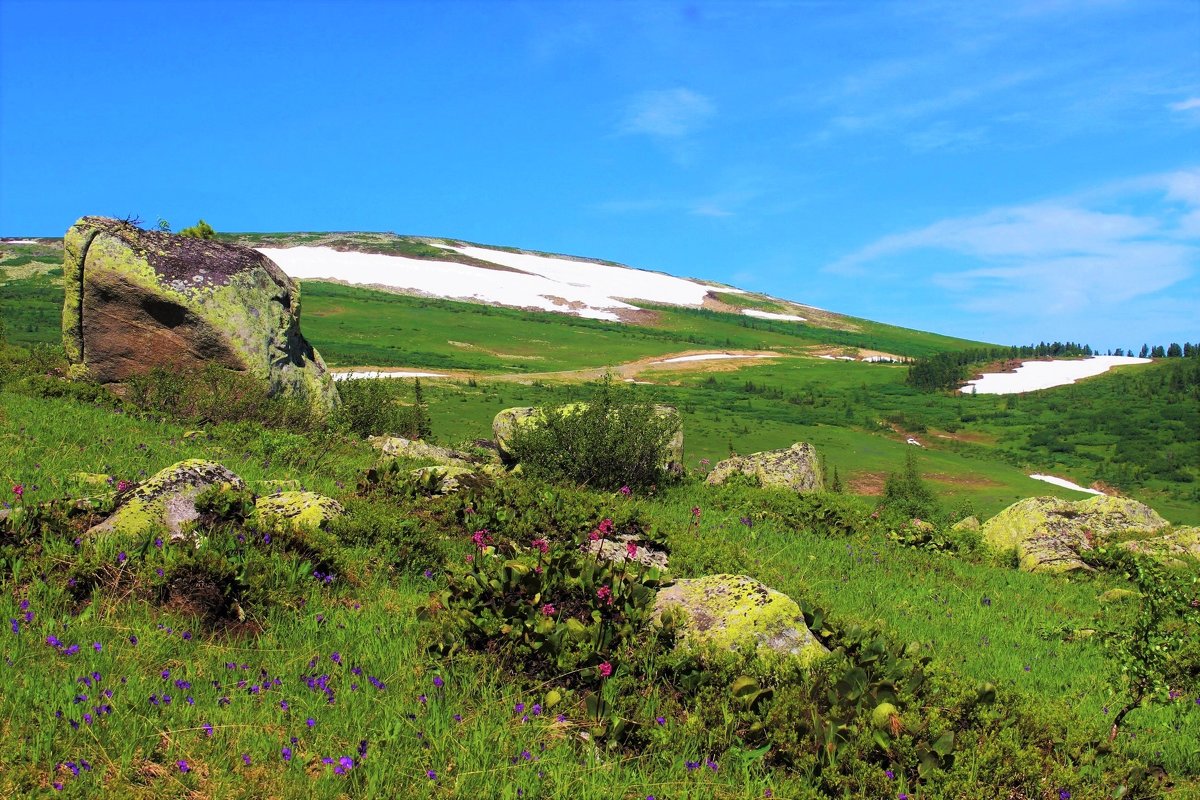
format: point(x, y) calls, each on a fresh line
point(905, 495)
point(215, 394)
point(611, 441)
point(373, 407)
point(394, 535)
point(201, 230)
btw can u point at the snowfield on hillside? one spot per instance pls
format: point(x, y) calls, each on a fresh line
point(346, 376)
point(568, 286)
point(754, 312)
point(713, 357)
point(1034, 375)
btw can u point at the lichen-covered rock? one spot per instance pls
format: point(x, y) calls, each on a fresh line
point(295, 510)
point(1049, 534)
point(448, 478)
point(399, 447)
point(167, 500)
point(1173, 547)
point(968, 524)
point(136, 299)
point(510, 419)
point(1118, 596)
point(797, 468)
point(739, 613)
point(617, 551)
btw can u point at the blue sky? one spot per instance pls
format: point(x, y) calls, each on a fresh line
point(1005, 171)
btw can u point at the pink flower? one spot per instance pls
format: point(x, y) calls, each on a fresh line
point(548, 609)
point(625, 490)
point(19, 490)
point(605, 669)
point(541, 544)
point(605, 594)
point(605, 527)
point(631, 550)
point(696, 512)
point(470, 559)
point(123, 485)
point(594, 536)
point(481, 538)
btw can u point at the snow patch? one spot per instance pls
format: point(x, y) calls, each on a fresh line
point(346, 376)
point(1034, 375)
point(754, 312)
point(18, 241)
point(1064, 483)
point(713, 356)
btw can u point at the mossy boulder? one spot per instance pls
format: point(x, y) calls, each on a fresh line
point(1048, 534)
point(296, 510)
point(797, 468)
point(450, 478)
point(167, 500)
point(736, 612)
point(399, 447)
point(968, 524)
point(1175, 547)
point(136, 300)
point(510, 419)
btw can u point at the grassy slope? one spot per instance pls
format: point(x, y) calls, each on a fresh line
point(1011, 638)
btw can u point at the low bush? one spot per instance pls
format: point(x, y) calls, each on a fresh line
point(613, 440)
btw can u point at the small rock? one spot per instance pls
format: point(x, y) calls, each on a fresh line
point(797, 468)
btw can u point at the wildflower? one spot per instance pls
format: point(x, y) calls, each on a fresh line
point(548, 609)
point(519, 708)
point(283, 704)
point(183, 766)
point(438, 682)
point(16, 626)
point(561, 718)
point(525, 754)
point(208, 728)
point(604, 593)
point(1063, 794)
point(695, 512)
point(287, 753)
point(97, 646)
point(428, 573)
point(19, 490)
point(692, 765)
point(121, 557)
point(266, 538)
point(891, 775)
point(158, 542)
point(631, 550)
point(481, 538)
point(431, 775)
point(123, 485)
point(310, 722)
point(605, 669)
point(625, 490)
point(246, 759)
point(336, 657)
point(166, 673)
point(711, 764)
point(422, 699)
point(661, 720)
point(542, 545)
point(605, 527)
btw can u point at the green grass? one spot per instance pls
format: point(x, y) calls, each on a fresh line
point(983, 622)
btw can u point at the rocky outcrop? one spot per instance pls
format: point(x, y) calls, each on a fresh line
point(167, 500)
point(1174, 547)
point(399, 447)
point(510, 419)
point(448, 478)
point(297, 511)
point(137, 299)
point(797, 468)
point(1048, 534)
point(738, 613)
point(969, 524)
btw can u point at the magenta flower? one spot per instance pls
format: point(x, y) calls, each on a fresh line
point(625, 490)
point(19, 490)
point(604, 593)
point(548, 609)
point(631, 550)
point(541, 544)
point(481, 538)
point(605, 669)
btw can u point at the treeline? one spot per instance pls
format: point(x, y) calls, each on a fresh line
point(948, 370)
point(1173, 350)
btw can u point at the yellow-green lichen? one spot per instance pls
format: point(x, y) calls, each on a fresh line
point(736, 612)
point(296, 510)
point(167, 500)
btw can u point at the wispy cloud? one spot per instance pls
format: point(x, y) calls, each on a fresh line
point(667, 113)
point(1192, 104)
point(1099, 254)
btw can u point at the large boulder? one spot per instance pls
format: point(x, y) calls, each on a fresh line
point(1048, 534)
point(137, 299)
point(797, 468)
point(736, 612)
point(510, 419)
point(167, 500)
point(296, 510)
point(1174, 547)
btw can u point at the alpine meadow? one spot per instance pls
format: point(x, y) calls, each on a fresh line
point(760, 400)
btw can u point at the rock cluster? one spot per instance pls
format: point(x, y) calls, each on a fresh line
point(797, 468)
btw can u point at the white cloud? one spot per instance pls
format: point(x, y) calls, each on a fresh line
point(1191, 104)
point(1073, 256)
point(667, 113)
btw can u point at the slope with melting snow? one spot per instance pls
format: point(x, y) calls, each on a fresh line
point(584, 288)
